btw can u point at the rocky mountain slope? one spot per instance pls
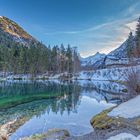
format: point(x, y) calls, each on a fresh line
point(121, 51)
point(11, 32)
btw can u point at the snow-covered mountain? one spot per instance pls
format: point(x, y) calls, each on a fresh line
point(91, 60)
point(117, 57)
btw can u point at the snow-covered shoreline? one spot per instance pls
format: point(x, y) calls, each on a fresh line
point(124, 136)
point(121, 122)
point(112, 74)
point(129, 109)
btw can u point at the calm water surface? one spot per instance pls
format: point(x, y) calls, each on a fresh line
point(76, 104)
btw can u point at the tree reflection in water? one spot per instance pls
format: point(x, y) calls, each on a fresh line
point(67, 99)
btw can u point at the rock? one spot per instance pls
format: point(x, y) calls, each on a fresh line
point(52, 134)
point(7, 129)
point(3, 137)
point(102, 121)
point(106, 126)
point(4, 130)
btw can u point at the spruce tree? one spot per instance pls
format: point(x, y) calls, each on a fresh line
point(69, 61)
point(130, 45)
point(62, 58)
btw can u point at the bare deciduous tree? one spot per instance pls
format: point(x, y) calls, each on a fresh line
point(133, 81)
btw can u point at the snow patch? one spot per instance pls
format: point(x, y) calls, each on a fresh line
point(124, 136)
point(129, 109)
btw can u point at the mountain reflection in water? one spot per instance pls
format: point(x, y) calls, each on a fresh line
point(74, 105)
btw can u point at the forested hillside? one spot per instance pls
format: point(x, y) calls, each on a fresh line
point(20, 53)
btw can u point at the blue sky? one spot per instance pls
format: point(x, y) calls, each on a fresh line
point(91, 25)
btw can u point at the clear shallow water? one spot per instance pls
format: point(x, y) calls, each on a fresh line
point(78, 102)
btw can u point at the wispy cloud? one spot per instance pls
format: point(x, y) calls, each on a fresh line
point(101, 26)
point(132, 10)
point(90, 29)
point(78, 31)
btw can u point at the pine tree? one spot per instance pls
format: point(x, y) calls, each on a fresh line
point(37, 59)
point(76, 61)
point(130, 45)
point(62, 58)
point(69, 61)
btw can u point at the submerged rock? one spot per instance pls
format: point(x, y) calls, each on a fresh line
point(3, 137)
point(7, 129)
point(52, 134)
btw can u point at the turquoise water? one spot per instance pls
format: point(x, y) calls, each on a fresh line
point(77, 103)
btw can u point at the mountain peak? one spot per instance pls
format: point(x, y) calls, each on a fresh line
point(91, 60)
point(97, 53)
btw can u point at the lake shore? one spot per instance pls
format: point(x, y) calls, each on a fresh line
point(114, 74)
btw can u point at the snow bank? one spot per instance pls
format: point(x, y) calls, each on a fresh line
point(124, 136)
point(129, 109)
point(118, 73)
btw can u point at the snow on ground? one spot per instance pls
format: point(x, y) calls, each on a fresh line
point(129, 109)
point(124, 136)
point(118, 73)
point(115, 73)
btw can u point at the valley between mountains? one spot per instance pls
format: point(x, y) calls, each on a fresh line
point(52, 93)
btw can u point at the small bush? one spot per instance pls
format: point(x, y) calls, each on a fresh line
point(133, 82)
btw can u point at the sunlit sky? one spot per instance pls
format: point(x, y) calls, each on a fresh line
point(91, 25)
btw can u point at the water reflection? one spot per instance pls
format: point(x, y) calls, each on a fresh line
point(74, 106)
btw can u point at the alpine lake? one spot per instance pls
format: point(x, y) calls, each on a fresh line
point(55, 104)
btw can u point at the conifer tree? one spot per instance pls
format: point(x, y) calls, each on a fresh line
point(130, 45)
